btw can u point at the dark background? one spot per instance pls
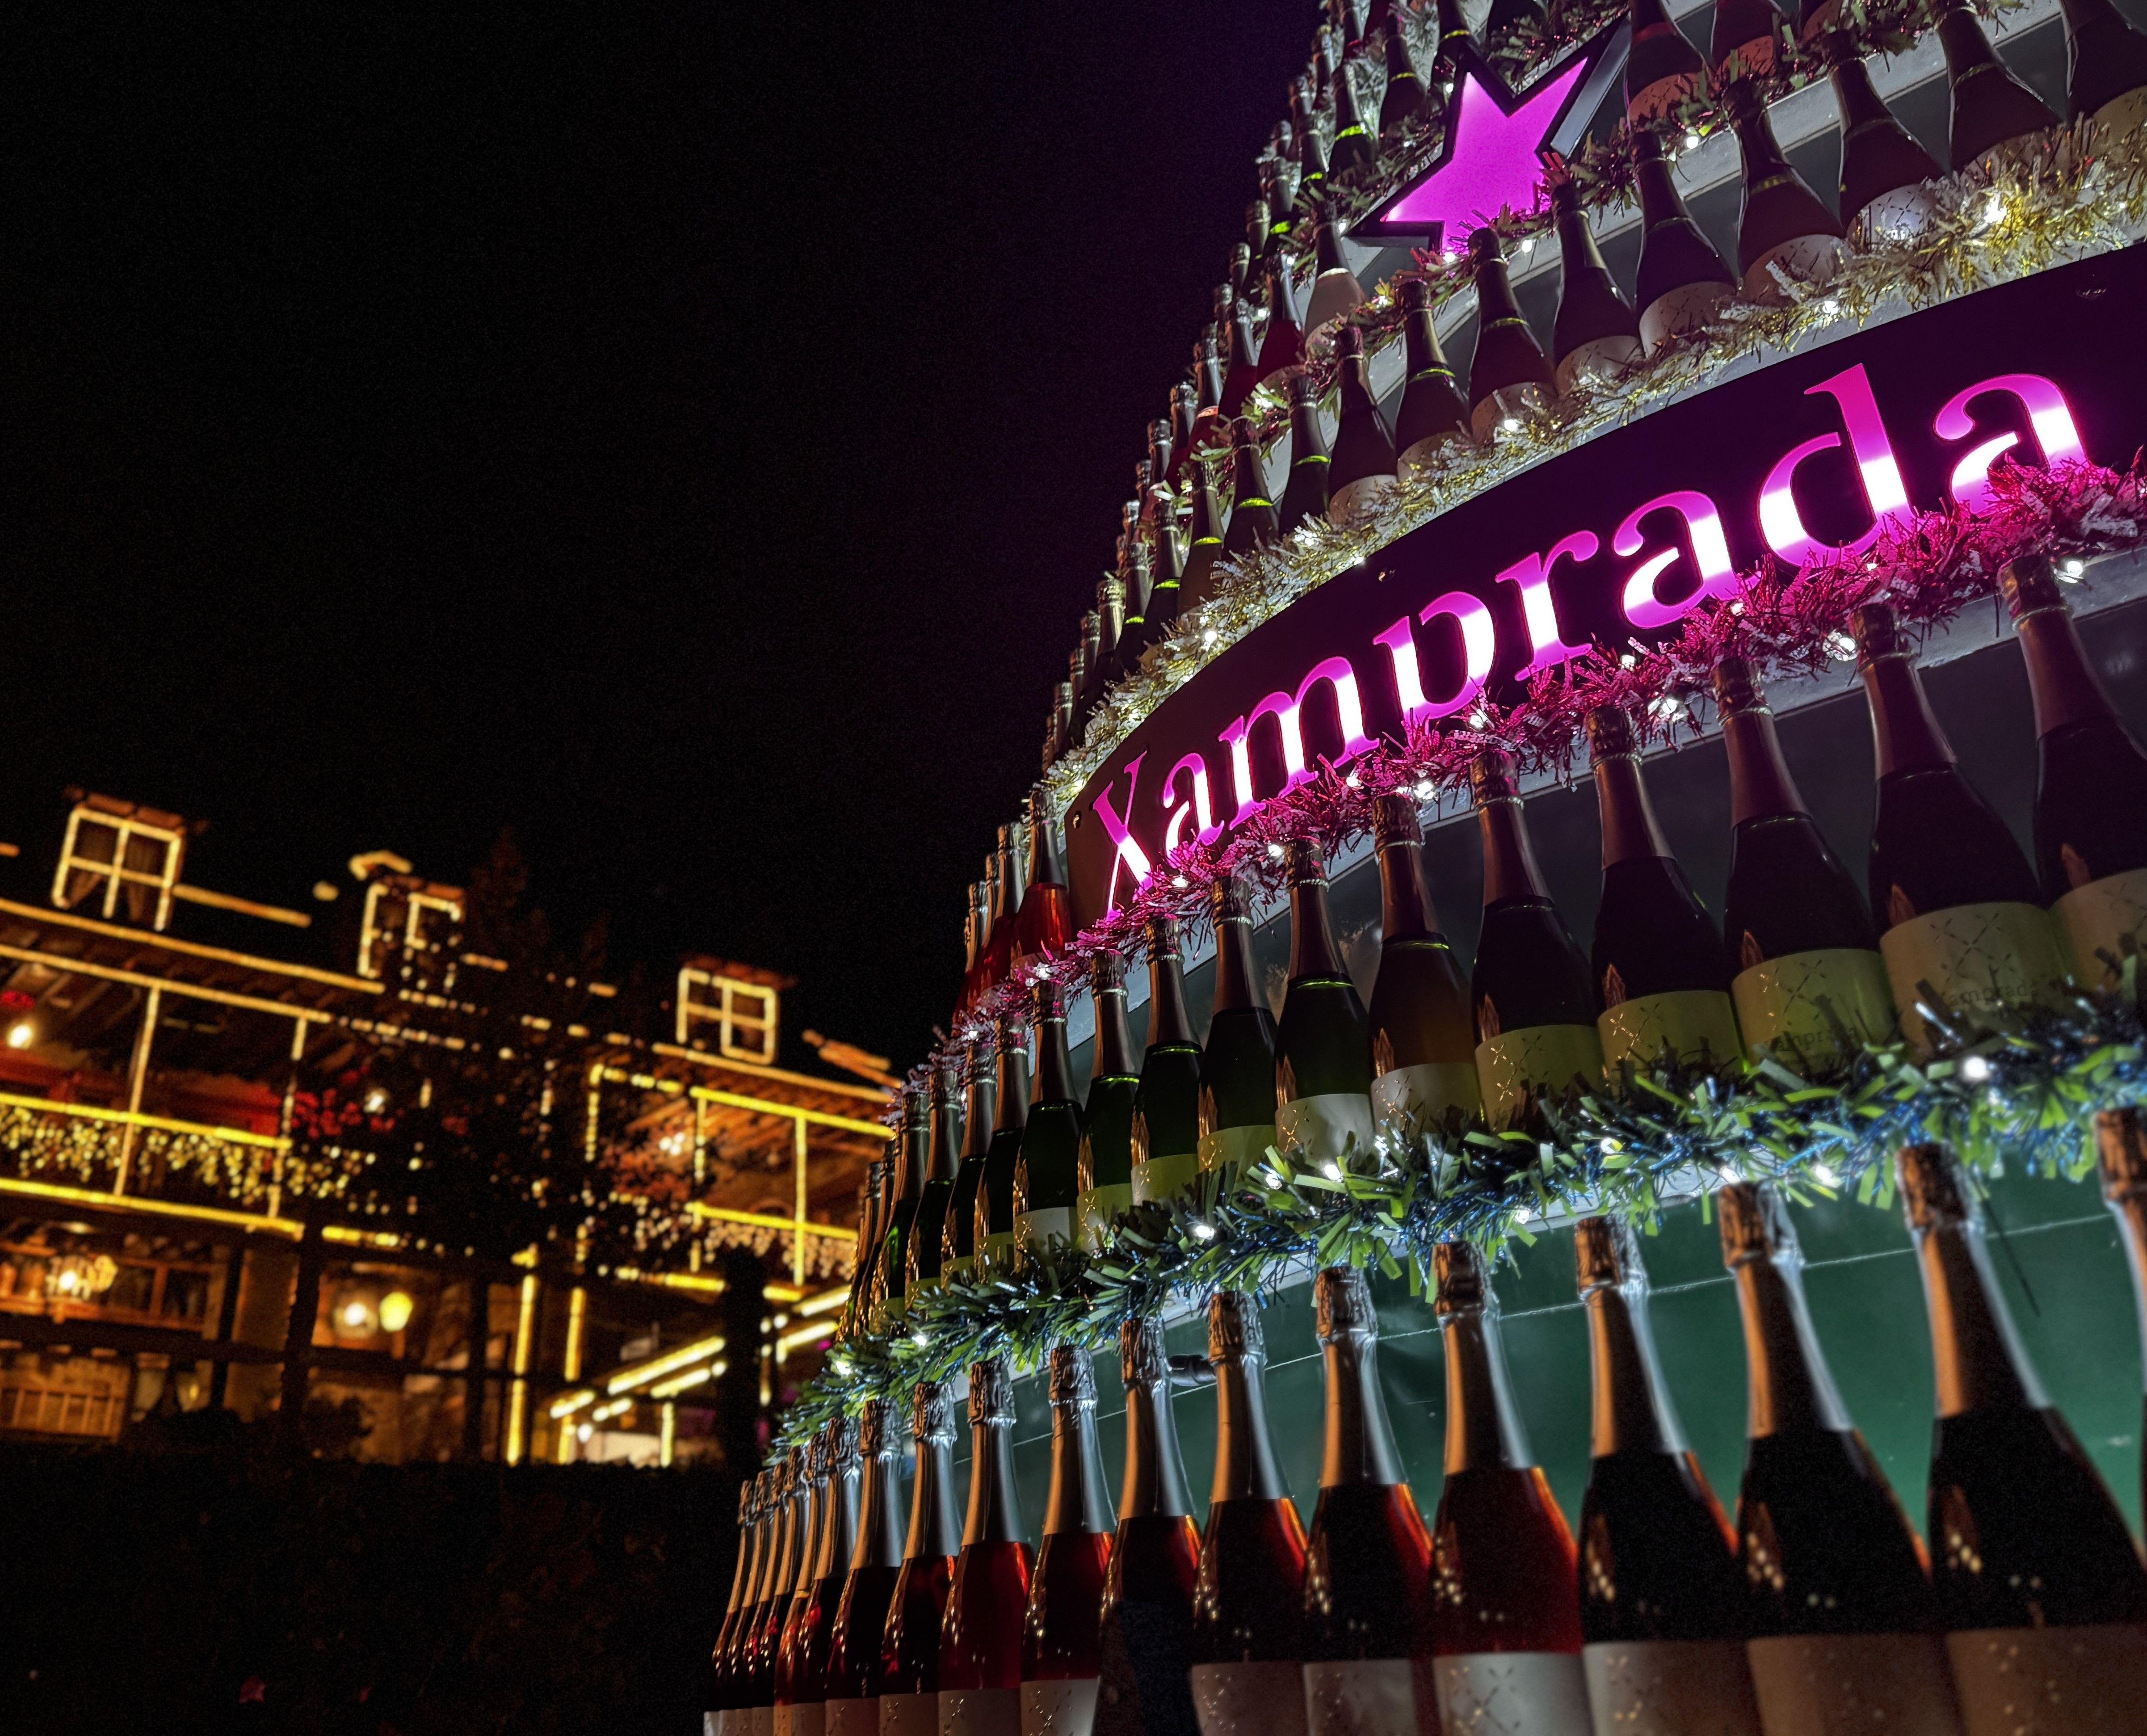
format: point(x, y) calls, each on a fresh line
point(687, 435)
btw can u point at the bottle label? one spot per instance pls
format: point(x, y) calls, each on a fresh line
point(1810, 1011)
point(1249, 1699)
point(1983, 960)
point(1670, 1688)
point(1059, 1709)
point(1696, 1025)
point(1095, 1209)
point(1229, 1150)
point(962, 1266)
point(2051, 1681)
point(762, 1721)
point(1408, 1102)
point(1034, 1231)
point(1516, 1065)
point(2105, 916)
point(1847, 1685)
point(999, 1251)
point(2121, 116)
point(1353, 503)
point(1423, 456)
point(1599, 362)
point(808, 1717)
point(909, 1714)
point(1802, 259)
point(1515, 1694)
point(714, 1724)
point(1321, 1128)
point(852, 1718)
point(980, 1712)
point(1686, 308)
point(1360, 1697)
point(1160, 1180)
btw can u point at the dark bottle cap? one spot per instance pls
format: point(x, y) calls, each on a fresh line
point(1606, 1254)
point(1349, 342)
point(1736, 688)
point(1107, 970)
point(1416, 295)
point(991, 1394)
point(2029, 583)
point(2121, 1148)
point(1014, 1030)
point(1342, 1304)
point(1048, 998)
point(1461, 1282)
point(1142, 1361)
point(1307, 863)
point(1162, 937)
point(1610, 734)
point(1877, 633)
point(1244, 434)
point(1231, 899)
point(1234, 1332)
point(1304, 389)
point(1932, 1193)
point(1755, 1223)
point(1493, 776)
point(1395, 819)
point(816, 1457)
point(932, 1415)
point(1073, 1378)
point(845, 1435)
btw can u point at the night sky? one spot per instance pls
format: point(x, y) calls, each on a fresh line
point(687, 436)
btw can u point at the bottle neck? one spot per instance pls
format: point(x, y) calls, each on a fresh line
point(1576, 244)
point(1631, 1410)
point(1356, 390)
point(1167, 1018)
point(812, 1535)
point(1154, 1485)
point(2063, 682)
point(1077, 1502)
point(946, 1138)
point(880, 1514)
point(1963, 41)
point(1311, 951)
point(1907, 733)
point(1856, 96)
point(742, 1569)
point(1251, 482)
point(1114, 1047)
point(933, 1531)
point(1424, 347)
point(1359, 1440)
point(1759, 781)
point(1975, 1352)
point(756, 1573)
point(977, 1124)
point(916, 1162)
point(2081, 14)
point(1405, 911)
point(1245, 1466)
point(1792, 1389)
point(1010, 1107)
point(1307, 439)
point(1234, 966)
point(1044, 869)
point(785, 1567)
point(1494, 295)
point(1763, 154)
point(839, 1525)
point(1509, 864)
point(1660, 202)
point(994, 1505)
point(1055, 1070)
point(1483, 1428)
point(1630, 830)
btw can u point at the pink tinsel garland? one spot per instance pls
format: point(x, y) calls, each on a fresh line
point(1928, 569)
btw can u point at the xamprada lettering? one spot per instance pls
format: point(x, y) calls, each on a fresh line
point(1803, 460)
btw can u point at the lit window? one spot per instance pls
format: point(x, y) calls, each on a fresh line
point(745, 1015)
point(119, 859)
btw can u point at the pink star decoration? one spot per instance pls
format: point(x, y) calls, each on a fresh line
point(1493, 161)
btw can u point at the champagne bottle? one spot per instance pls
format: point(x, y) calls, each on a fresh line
point(928, 1234)
point(1162, 448)
point(749, 1705)
point(838, 1541)
point(1657, 955)
point(1805, 973)
point(1663, 71)
point(1305, 497)
point(1335, 290)
point(1510, 382)
point(1111, 647)
point(1365, 1630)
point(1252, 523)
point(2105, 68)
point(1455, 44)
point(852, 1677)
point(1504, 1623)
point(1885, 194)
point(1147, 1626)
point(1958, 911)
point(980, 1635)
point(1208, 382)
point(1167, 1106)
point(1006, 889)
point(1203, 538)
point(1662, 1602)
point(723, 1688)
point(959, 1244)
point(1596, 338)
point(995, 1198)
point(976, 979)
point(1682, 283)
point(1323, 1041)
point(1535, 1006)
point(1989, 105)
point(1059, 1630)
point(2039, 1585)
point(1044, 927)
point(1107, 1137)
point(1403, 100)
point(1282, 345)
point(2090, 784)
point(767, 1642)
point(1134, 637)
point(1167, 575)
point(1089, 691)
point(1243, 378)
point(872, 1223)
point(1048, 1176)
point(1187, 403)
point(1742, 44)
point(1424, 1042)
point(812, 1533)
point(1783, 231)
point(1354, 148)
point(1247, 1676)
point(1311, 145)
point(1362, 477)
point(1844, 1632)
point(2120, 1140)
point(1433, 417)
point(908, 1681)
point(1237, 1067)
point(913, 1163)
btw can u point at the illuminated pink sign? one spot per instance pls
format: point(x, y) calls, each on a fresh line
point(1493, 162)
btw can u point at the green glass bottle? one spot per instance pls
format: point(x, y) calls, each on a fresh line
point(928, 1234)
point(914, 1159)
point(1167, 1106)
point(1047, 1180)
point(1107, 1143)
point(995, 1205)
point(958, 1244)
point(1323, 1074)
point(1424, 1041)
point(1238, 1067)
